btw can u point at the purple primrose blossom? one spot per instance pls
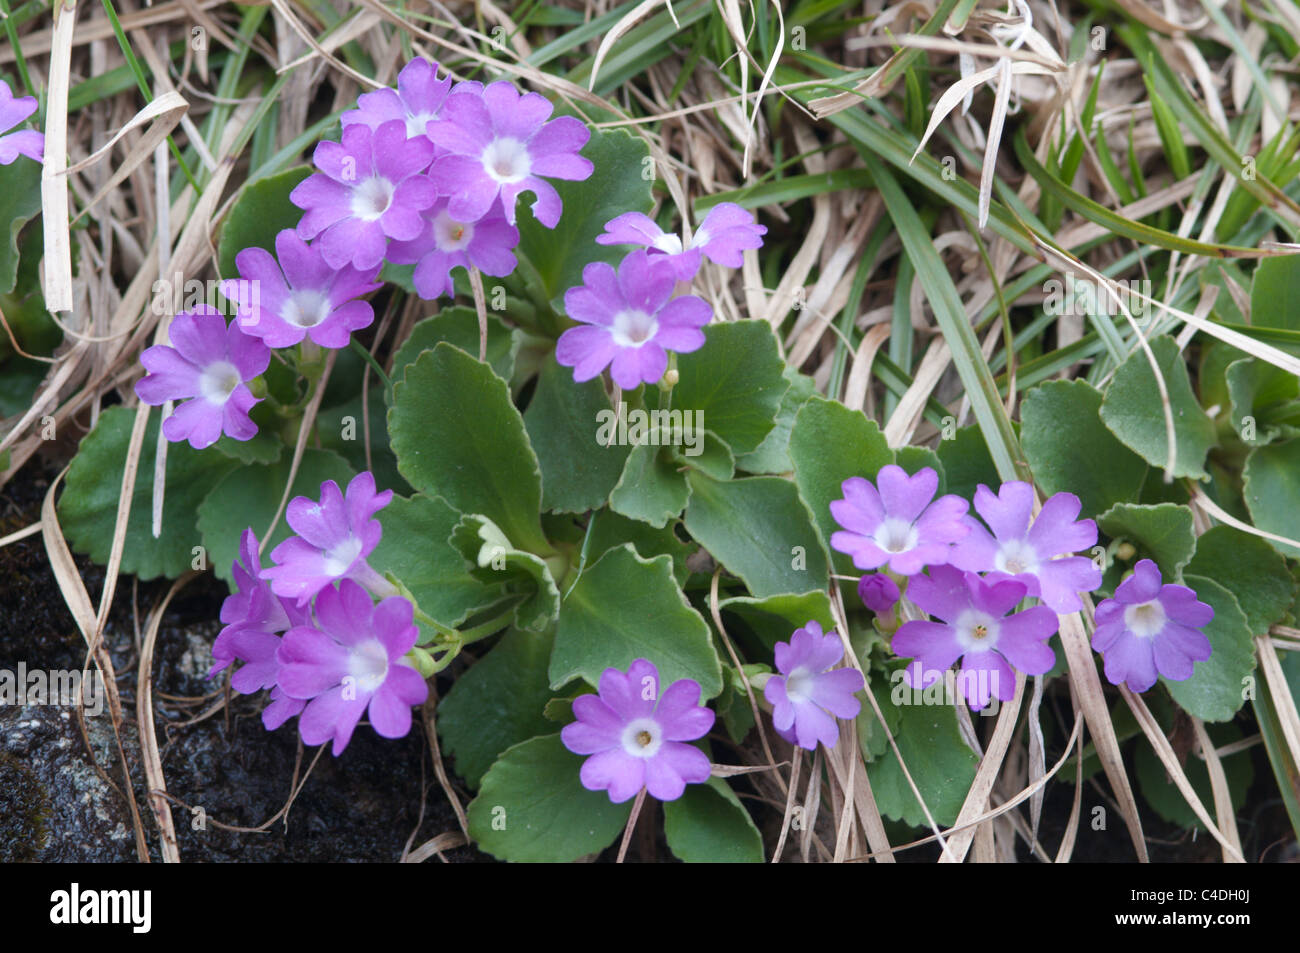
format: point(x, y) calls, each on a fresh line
point(334, 538)
point(370, 188)
point(637, 738)
point(487, 244)
point(1149, 629)
point(1018, 550)
point(722, 238)
point(349, 664)
point(418, 98)
point(299, 296)
point(24, 142)
point(878, 592)
point(211, 363)
point(497, 144)
point(897, 523)
point(975, 628)
point(628, 321)
point(809, 695)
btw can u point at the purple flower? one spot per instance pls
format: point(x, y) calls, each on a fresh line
point(628, 320)
point(369, 189)
point(1017, 550)
point(722, 238)
point(636, 738)
point(897, 524)
point(807, 696)
point(1149, 628)
point(349, 664)
point(975, 629)
point(417, 99)
point(445, 244)
point(498, 144)
point(212, 363)
point(878, 592)
point(300, 296)
point(24, 142)
point(334, 538)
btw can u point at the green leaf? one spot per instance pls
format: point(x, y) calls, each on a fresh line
point(249, 497)
point(416, 548)
point(616, 186)
point(1249, 568)
point(563, 420)
point(261, 212)
point(1070, 450)
point(20, 202)
point(481, 542)
point(930, 742)
point(1261, 392)
point(533, 808)
point(1162, 532)
point(706, 453)
point(1272, 491)
point(966, 461)
point(1216, 689)
point(775, 618)
point(1164, 797)
point(709, 825)
point(1132, 410)
point(624, 608)
point(88, 506)
point(497, 703)
point(609, 529)
point(1275, 293)
point(652, 488)
point(760, 530)
point(829, 444)
point(773, 454)
point(457, 435)
point(459, 326)
point(736, 381)
point(342, 428)
point(266, 447)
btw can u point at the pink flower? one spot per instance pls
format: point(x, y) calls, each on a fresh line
point(418, 98)
point(636, 738)
point(370, 188)
point(722, 238)
point(445, 243)
point(300, 296)
point(628, 321)
point(878, 592)
point(350, 664)
point(24, 142)
point(498, 145)
point(897, 523)
point(212, 364)
point(810, 694)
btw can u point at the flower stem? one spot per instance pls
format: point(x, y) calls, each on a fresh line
point(374, 365)
point(480, 305)
point(631, 823)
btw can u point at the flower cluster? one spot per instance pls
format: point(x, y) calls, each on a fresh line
point(328, 653)
point(629, 318)
point(970, 575)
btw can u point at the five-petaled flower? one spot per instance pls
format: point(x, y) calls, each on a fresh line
point(628, 321)
point(301, 295)
point(1149, 629)
point(334, 538)
point(894, 522)
point(350, 663)
point(722, 237)
point(975, 628)
point(211, 363)
point(445, 243)
point(637, 738)
point(418, 98)
point(1018, 550)
point(809, 694)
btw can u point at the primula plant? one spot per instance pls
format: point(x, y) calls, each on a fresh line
point(502, 426)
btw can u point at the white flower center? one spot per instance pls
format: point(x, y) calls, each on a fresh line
point(371, 198)
point(368, 664)
point(1016, 556)
point(799, 685)
point(700, 239)
point(416, 125)
point(633, 327)
point(339, 559)
point(895, 535)
point(1146, 619)
point(451, 235)
point(306, 309)
point(671, 244)
point(642, 738)
point(506, 160)
point(218, 381)
point(977, 631)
